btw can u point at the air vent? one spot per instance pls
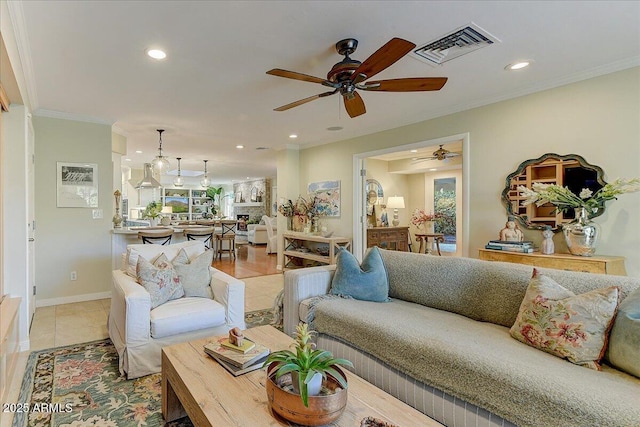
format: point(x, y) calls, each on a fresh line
point(457, 43)
point(262, 148)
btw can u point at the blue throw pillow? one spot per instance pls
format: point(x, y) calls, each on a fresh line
point(367, 283)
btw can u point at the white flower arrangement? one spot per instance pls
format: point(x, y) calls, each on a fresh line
point(563, 199)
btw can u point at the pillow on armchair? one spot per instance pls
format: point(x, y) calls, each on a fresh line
point(195, 275)
point(159, 279)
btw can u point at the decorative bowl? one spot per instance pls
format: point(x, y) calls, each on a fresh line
point(322, 409)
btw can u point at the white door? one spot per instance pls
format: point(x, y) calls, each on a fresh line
point(31, 223)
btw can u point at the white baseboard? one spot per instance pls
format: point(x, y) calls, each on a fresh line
point(75, 298)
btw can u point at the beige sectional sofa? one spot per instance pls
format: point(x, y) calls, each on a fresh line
point(442, 343)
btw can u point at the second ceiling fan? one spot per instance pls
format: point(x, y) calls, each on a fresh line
point(349, 74)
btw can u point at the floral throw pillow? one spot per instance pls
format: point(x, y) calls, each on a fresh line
point(573, 327)
point(159, 279)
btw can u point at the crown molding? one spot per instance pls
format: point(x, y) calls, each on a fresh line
point(16, 14)
point(70, 116)
point(117, 129)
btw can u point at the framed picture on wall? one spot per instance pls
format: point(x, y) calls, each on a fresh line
point(77, 185)
point(328, 197)
point(238, 198)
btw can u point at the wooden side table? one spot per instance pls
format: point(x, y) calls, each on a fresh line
point(600, 264)
point(423, 239)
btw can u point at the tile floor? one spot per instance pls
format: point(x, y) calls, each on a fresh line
point(68, 324)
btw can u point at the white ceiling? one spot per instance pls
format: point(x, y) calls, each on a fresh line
point(87, 59)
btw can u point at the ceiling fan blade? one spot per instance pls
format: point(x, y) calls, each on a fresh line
point(354, 106)
point(416, 84)
point(382, 58)
point(296, 76)
point(304, 101)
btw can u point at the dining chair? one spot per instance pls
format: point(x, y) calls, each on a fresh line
point(160, 237)
point(205, 234)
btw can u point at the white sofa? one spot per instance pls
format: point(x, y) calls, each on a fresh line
point(139, 332)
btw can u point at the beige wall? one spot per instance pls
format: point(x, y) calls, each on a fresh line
point(595, 118)
point(68, 239)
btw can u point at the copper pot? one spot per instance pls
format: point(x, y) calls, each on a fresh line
point(321, 410)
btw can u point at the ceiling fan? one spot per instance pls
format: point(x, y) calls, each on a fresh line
point(350, 74)
point(439, 154)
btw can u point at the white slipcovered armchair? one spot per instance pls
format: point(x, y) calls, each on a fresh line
point(272, 233)
point(257, 234)
point(139, 332)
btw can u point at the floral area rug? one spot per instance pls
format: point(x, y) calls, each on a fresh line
point(80, 385)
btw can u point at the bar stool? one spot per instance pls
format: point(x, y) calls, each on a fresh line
point(205, 234)
point(227, 234)
point(160, 237)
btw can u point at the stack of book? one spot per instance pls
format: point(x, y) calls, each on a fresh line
point(502, 245)
point(237, 360)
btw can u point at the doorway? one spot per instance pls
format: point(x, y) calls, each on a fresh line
point(419, 186)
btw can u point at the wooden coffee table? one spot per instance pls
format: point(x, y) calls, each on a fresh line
point(194, 384)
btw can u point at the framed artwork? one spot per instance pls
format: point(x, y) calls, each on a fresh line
point(254, 194)
point(238, 198)
point(77, 185)
point(328, 194)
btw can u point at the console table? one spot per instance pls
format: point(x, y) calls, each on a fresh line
point(395, 238)
point(317, 249)
point(601, 264)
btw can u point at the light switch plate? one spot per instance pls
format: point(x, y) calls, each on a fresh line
point(97, 213)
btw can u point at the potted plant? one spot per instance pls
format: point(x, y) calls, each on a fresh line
point(311, 370)
point(152, 212)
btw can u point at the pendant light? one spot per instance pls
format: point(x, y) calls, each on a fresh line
point(205, 179)
point(178, 180)
point(160, 163)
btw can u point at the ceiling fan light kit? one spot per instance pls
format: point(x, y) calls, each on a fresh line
point(349, 75)
point(440, 154)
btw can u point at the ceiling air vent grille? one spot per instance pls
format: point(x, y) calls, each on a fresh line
point(455, 44)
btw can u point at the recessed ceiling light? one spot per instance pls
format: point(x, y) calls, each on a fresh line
point(127, 160)
point(334, 128)
point(138, 151)
point(239, 146)
point(248, 178)
point(156, 53)
point(293, 136)
point(518, 65)
point(433, 169)
point(414, 151)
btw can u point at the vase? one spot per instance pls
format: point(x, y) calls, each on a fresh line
point(581, 234)
point(299, 222)
point(322, 409)
point(153, 222)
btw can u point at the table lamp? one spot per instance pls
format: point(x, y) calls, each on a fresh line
point(395, 203)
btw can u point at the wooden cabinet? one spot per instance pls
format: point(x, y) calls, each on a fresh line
point(307, 250)
point(393, 238)
point(600, 264)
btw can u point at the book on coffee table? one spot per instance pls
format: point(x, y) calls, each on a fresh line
point(235, 371)
point(233, 357)
point(245, 347)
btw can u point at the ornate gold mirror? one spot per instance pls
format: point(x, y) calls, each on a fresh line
point(571, 171)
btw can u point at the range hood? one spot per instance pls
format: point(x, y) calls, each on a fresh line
point(147, 180)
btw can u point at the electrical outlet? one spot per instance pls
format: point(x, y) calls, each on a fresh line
point(96, 213)
point(74, 275)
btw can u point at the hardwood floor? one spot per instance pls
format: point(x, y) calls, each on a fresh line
point(250, 261)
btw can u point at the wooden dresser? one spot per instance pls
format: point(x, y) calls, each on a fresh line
point(393, 238)
point(601, 264)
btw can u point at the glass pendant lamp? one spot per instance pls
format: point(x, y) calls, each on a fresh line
point(178, 182)
point(160, 163)
point(205, 182)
